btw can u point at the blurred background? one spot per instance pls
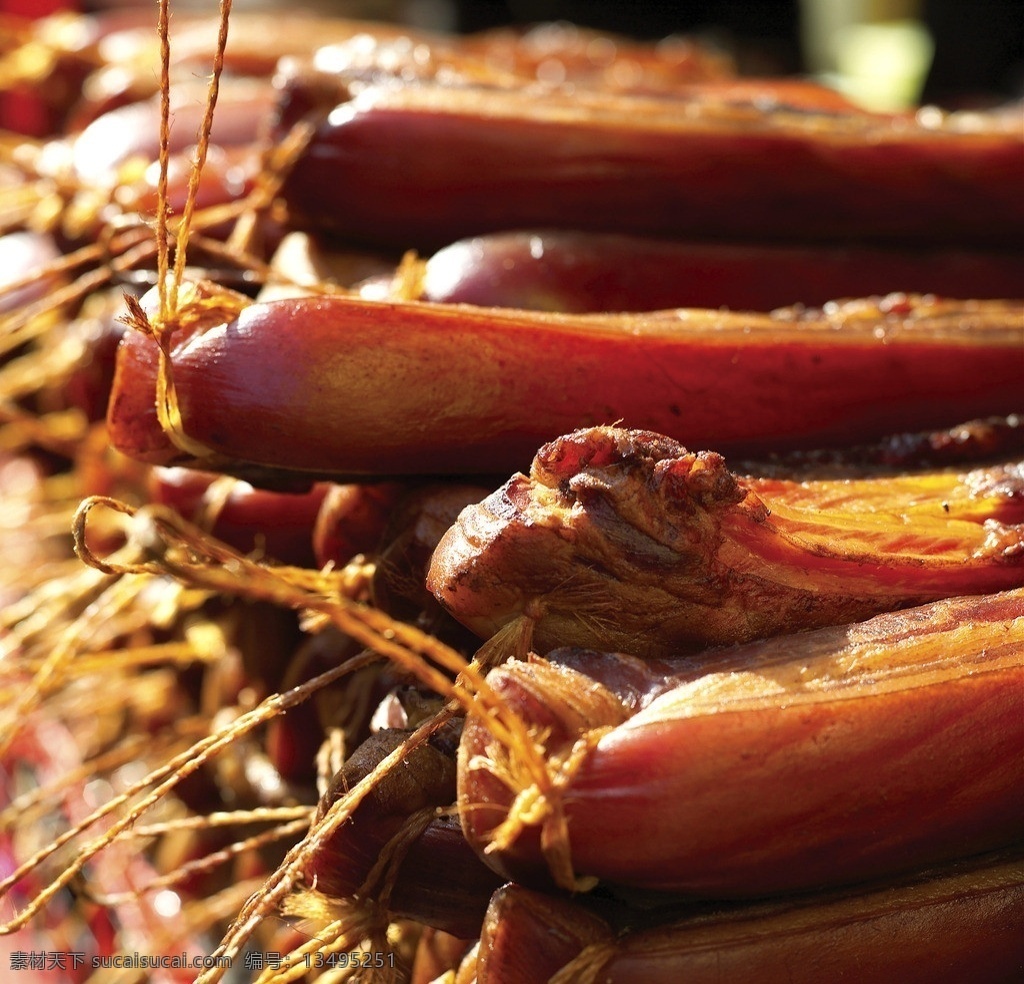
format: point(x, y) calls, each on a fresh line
point(885, 53)
point(948, 51)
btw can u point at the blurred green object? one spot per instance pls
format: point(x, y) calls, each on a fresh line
point(883, 66)
point(878, 52)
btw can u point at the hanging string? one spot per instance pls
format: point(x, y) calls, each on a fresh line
point(163, 208)
point(202, 148)
point(170, 283)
